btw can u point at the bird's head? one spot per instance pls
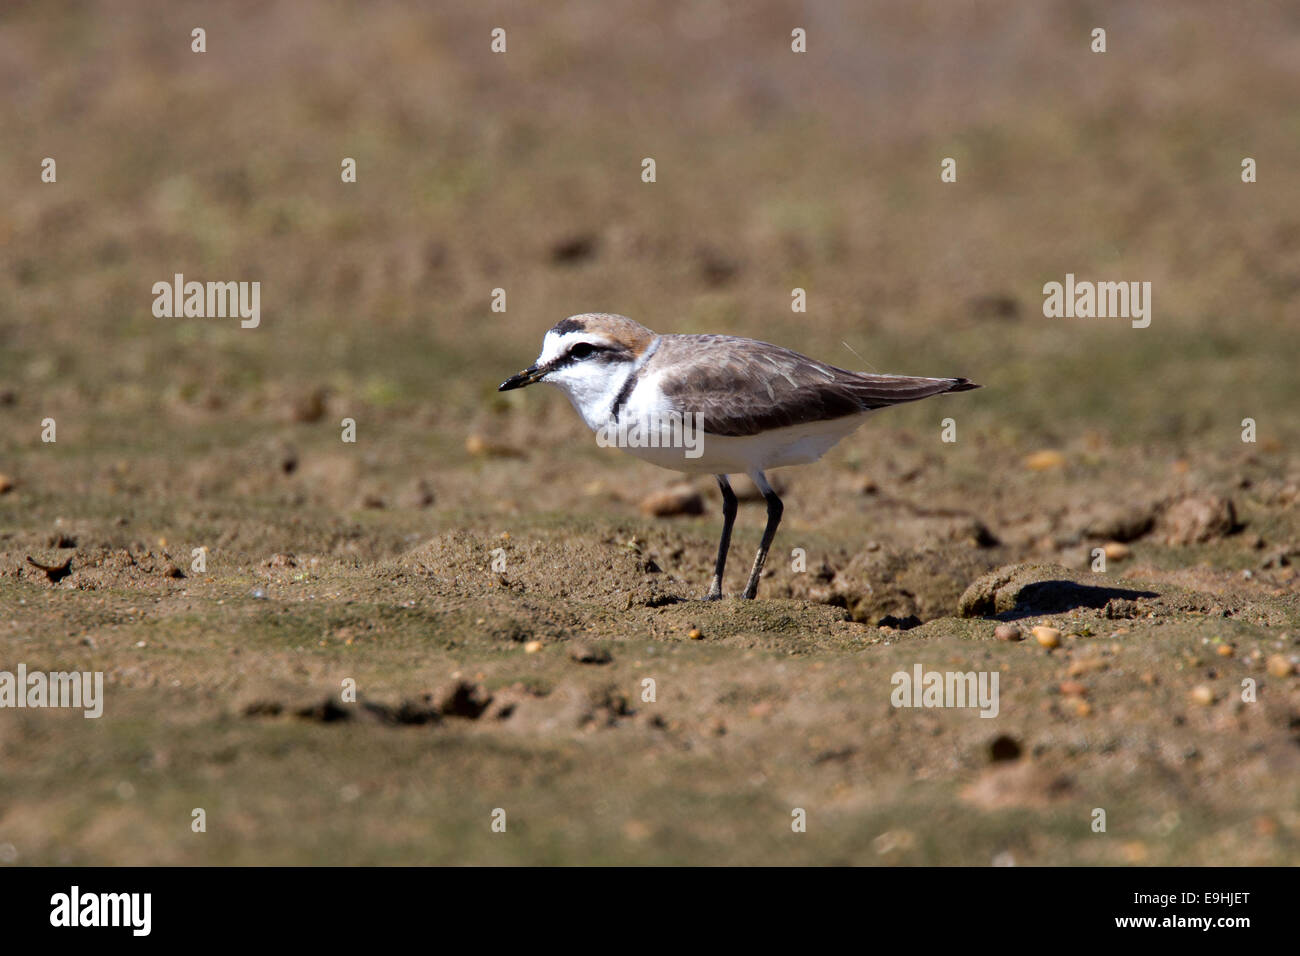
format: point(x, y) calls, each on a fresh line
point(586, 355)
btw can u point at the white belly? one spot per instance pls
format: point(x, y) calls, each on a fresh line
point(724, 455)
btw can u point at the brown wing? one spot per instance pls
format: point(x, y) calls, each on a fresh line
point(743, 386)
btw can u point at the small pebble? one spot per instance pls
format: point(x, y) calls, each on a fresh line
point(1072, 688)
point(1135, 851)
point(1279, 666)
point(1203, 695)
point(1086, 666)
point(6, 484)
point(1045, 460)
point(1008, 632)
point(1225, 650)
point(1082, 708)
point(1047, 636)
point(586, 654)
point(478, 446)
point(532, 647)
point(695, 634)
point(1116, 551)
point(679, 499)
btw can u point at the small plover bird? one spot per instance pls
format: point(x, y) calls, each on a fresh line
point(755, 406)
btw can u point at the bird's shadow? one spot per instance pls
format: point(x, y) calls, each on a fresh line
point(1057, 597)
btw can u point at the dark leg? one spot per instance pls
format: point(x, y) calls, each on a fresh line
point(774, 509)
point(724, 545)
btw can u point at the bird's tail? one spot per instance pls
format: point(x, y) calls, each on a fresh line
point(878, 391)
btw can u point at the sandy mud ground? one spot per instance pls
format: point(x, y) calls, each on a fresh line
point(493, 584)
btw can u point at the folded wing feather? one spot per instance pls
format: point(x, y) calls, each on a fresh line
point(743, 386)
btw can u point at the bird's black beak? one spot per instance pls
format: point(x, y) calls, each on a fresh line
point(526, 377)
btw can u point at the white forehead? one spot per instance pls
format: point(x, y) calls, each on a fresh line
point(553, 346)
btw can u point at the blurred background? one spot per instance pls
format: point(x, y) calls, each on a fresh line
point(522, 171)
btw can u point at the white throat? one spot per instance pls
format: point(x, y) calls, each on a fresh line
point(595, 389)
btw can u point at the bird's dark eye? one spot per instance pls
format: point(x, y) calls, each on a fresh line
point(582, 350)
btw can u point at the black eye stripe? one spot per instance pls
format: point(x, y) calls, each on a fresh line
point(582, 350)
point(567, 358)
